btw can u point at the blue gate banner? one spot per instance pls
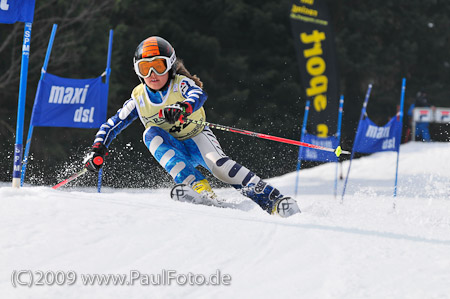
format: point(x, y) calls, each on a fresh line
point(318, 155)
point(371, 139)
point(74, 103)
point(12, 11)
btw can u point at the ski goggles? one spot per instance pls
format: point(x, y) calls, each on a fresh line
point(158, 64)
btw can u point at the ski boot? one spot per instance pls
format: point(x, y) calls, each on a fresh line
point(206, 192)
point(270, 199)
point(199, 193)
point(203, 188)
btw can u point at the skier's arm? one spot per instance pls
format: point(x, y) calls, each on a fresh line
point(194, 98)
point(111, 128)
point(193, 94)
point(108, 131)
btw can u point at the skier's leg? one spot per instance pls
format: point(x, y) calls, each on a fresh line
point(423, 132)
point(426, 133)
point(173, 155)
point(419, 132)
point(228, 171)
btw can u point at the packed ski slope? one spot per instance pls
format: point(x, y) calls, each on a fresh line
point(360, 248)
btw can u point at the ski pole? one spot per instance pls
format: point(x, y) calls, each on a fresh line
point(338, 151)
point(71, 178)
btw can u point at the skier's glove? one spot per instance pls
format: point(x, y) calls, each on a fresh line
point(94, 160)
point(176, 112)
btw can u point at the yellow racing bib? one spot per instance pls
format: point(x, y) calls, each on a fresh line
point(149, 112)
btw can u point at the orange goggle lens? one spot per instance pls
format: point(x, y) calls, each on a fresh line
point(158, 65)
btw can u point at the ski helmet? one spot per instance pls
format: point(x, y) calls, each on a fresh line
point(154, 54)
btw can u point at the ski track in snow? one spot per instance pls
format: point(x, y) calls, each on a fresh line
point(359, 248)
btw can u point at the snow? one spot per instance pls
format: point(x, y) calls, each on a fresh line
point(362, 247)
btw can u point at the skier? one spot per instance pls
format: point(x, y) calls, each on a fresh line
point(167, 96)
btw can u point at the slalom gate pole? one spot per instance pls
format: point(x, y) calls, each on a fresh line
point(18, 147)
point(31, 127)
point(300, 150)
point(363, 112)
point(402, 98)
point(338, 136)
point(338, 151)
point(71, 178)
point(107, 73)
point(99, 180)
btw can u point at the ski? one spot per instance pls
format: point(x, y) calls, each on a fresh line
point(284, 207)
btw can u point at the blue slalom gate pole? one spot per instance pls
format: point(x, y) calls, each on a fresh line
point(402, 98)
point(108, 73)
point(99, 180)
point(363, 112)
point(31, 128)
point(108, 61)
point(338, 136)
point(18, 147)
point(300, 151)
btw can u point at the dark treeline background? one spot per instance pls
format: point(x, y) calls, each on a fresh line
point(243, 52)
